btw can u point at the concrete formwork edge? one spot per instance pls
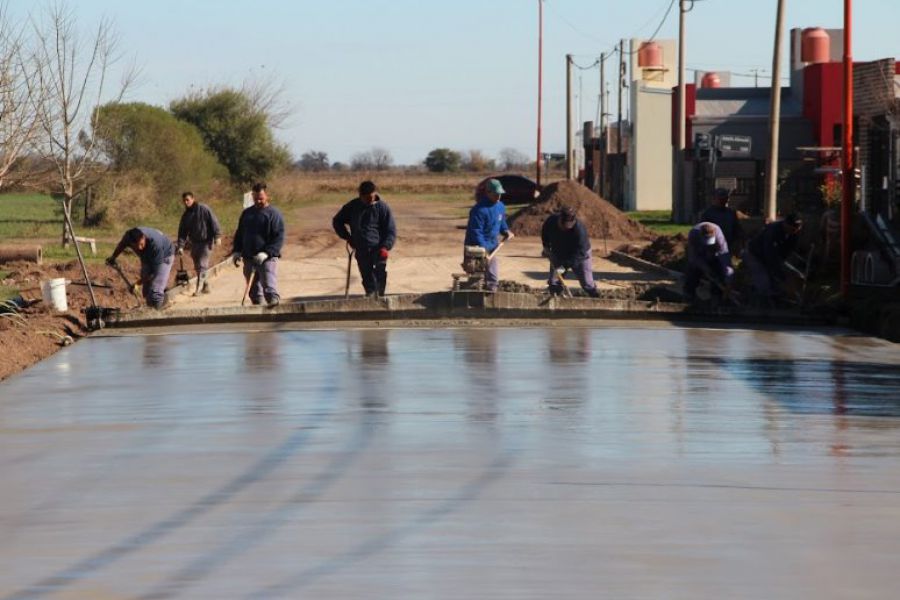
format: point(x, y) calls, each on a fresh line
point(455, 305)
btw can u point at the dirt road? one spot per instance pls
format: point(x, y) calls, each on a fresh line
point(428, 251)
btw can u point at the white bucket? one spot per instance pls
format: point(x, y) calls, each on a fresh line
point(54, 292)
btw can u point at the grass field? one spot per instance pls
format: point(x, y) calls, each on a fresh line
point(659, 221)
point(37, 218)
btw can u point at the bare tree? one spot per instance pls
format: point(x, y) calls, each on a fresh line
point(477, 162)
point(268, 95)
point(382, 158)
point(376, 159)
point(18, 119)
point(70, 84)
point(510, 158)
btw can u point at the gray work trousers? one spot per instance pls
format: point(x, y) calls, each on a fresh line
point(492, 275)
point(265, 284)
point(154, 279)
point(582, 267)
point(200, 254)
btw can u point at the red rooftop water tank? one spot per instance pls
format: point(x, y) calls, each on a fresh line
point(815, 46)
point(650, 55)
point(710, 80)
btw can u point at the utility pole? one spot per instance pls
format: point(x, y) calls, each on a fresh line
point(570, 165)
point(848, 187)
point(602, 121)
point(620, 171)
point(540, 89)
point(679, 210)
point(771, 199)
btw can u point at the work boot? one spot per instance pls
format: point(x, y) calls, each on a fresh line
point(555, 289)
point(274, 301)
point(593, 293)
point(205, 288)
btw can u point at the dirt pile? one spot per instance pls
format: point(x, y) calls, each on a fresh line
point(669, 251)
point(601, 218)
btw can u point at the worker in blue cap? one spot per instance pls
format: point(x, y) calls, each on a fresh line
point(487, 227)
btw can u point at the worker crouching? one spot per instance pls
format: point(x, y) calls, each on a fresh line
point(709, 259)
point(766, 254)
point(568, 246)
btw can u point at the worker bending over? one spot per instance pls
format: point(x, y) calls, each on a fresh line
point(727, 219)
point(766, 254)
point(708, 258)
point(257, 242)
point(157, 254)
point(199, 231)
point(371, 234)
point(487, 223)
point(568, 246)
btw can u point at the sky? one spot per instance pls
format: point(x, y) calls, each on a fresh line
point(413, 75)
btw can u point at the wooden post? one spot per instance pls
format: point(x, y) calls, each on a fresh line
point(771, 199)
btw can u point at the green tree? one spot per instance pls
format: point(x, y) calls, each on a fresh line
point(440, 160)
point(237, 128)
point(139, 138)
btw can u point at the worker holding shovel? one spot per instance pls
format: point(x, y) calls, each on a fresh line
point(487, 228)
point(367, 224)
point(258, 242)
point(568, 246)
point(198, 229)
point(157, 254)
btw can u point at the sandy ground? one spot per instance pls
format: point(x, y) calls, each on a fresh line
point(427, 253)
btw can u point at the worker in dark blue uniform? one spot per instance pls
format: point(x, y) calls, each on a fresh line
point(366, 222)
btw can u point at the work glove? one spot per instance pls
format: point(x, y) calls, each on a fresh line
point(179, 251)
point(236, 259)
point(111, 261)
point(383, 254)
point(508, 235)
point(260, 258)
point(217, 241)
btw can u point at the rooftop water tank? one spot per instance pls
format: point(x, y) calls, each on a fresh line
point(650, 55)
point(710, 80)
point(815, 46)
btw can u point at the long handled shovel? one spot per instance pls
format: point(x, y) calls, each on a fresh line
point(132, 287)
point(349, 266)
point(250, 281)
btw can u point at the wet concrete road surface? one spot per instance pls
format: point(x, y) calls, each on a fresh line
point(620, 462)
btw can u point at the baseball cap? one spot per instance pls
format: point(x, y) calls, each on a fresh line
point(494, 186)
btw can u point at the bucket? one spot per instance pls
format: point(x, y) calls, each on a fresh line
point(54, 292)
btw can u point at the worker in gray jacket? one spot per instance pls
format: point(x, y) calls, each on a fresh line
point(371, 234)
point(199, 230)
point(257, 242)
point(708, 258)
point(157, 254)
